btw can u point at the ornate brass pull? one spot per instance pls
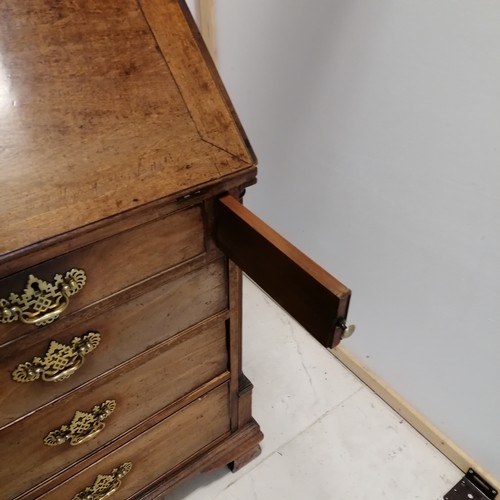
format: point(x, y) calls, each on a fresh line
point(83, 427)
point(42, 302)
point(105, 485)
point(60, 361)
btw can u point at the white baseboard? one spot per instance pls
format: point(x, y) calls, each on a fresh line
point(418, 421)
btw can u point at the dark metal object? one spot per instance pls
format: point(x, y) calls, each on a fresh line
point(471, 487)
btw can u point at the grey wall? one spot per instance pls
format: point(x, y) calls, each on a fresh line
point(377, 126)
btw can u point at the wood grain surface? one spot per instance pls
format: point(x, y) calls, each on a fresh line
point(93, 120)
point(306, 291)
point(161, 448)
point(115, 263)
point(126, 330)
point(116, 138)
point(139, 389)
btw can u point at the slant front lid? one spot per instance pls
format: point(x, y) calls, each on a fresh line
point(104, 106)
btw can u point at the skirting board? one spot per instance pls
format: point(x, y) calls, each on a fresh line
point(418, 421)
point(206, 13)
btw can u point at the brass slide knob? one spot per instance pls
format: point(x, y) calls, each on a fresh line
point(347, 330)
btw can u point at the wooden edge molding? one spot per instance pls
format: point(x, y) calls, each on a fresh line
point(207, 26)
point(184, 51)
point(418, 421)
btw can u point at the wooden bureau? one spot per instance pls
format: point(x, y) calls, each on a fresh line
point(122, 166)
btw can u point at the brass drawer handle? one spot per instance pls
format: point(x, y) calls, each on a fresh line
point(42, 302)
point(60, 360)
point(83, 427)
point(105, 485)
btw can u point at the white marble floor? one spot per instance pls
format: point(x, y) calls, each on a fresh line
point(327, 436)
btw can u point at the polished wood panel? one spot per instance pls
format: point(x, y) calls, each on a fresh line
point(139, 389)
point(311, 295)
point(166, 445)
point(117, 262)
point(93, 122)
point(214, 120)
point(50, 248)
point(126, 331)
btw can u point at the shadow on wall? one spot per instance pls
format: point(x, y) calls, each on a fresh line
point(376, 125)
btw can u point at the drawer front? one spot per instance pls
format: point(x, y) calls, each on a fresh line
point(158, 450)
point(125, 331)
point(109, 265)
point(137, 390)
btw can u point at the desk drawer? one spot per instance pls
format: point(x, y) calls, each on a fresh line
point(110, 265)
point(160, 449)
point(134, 392)
point(125, 331)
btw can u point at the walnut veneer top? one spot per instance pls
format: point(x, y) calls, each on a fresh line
point(104, 106)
